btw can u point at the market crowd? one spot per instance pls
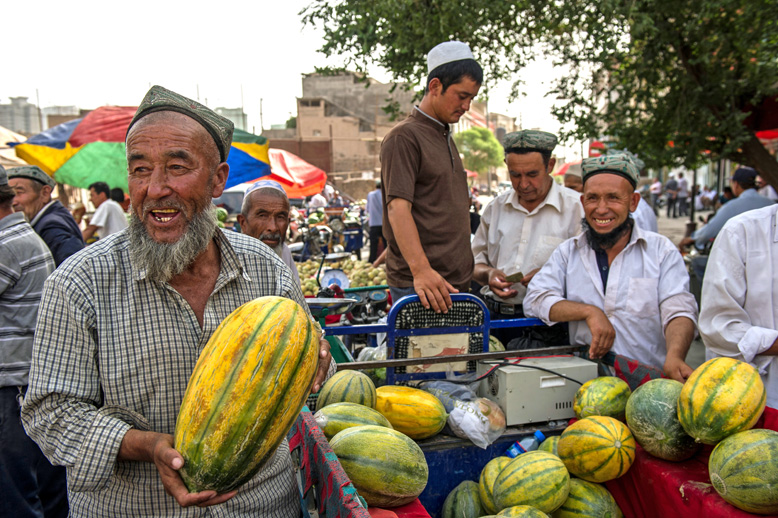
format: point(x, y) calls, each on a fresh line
point(97, 342)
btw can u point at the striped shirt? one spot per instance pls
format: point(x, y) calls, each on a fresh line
point(25, 262)
point(115, 351)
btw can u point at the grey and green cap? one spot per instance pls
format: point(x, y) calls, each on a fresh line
point(530, 140)
point(638, 162)
point(3, 176)
point(161, 99)
point(33, 172)
point(619, 164)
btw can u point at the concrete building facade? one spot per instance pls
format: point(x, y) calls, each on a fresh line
point(20, 116)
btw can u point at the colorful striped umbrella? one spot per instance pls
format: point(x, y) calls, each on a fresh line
point(83, 151)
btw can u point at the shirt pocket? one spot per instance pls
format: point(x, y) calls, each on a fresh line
point(546, 247)
point(642, 298)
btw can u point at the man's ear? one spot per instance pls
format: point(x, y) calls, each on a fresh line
point(633, 202)
point(435, 86)
point(220, 179)
point(551, 164)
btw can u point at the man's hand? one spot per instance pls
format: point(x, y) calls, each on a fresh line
point(677, 369)
point(525, 280)
point(500, 286)
point(433, 290)
point(684, 243)
point(324, 364)
point(168, 462)
point(602, 331)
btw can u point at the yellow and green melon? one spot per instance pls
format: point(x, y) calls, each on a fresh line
point(337, 417)
point(550, 445)
point(387, 467)
point(588, 500)
point(652, 417)
point(743, 469)
point(522, 511)
point(486, 481)
point(537, 478)
point(597, 448)
point(463, 501)
point(247, 388)
point(722, 396)
point(412, 411)
point(606, 396)
point(347, 386)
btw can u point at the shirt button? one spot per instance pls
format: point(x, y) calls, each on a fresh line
point(523, 240)
point(604, 268)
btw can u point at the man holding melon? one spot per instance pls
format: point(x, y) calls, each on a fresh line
point(122, 323)
point(621, 288)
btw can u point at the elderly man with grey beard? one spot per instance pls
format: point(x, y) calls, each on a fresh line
point(122, 323)
point(264, 215)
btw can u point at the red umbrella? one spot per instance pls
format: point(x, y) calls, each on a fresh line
point(298, 177)
point(471, 174)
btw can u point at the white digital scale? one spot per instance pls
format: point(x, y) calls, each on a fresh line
point(527, 395)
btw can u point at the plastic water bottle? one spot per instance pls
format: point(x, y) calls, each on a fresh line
point(529, 443)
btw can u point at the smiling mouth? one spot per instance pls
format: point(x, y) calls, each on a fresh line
point(602, 221)
point(164, 215)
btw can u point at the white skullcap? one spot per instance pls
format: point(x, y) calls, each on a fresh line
point(447, 52)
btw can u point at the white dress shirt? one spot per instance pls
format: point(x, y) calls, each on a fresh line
point(109, 218)
point(644, 216)
point(513, 240)
point(739, 315)
point(648, 286)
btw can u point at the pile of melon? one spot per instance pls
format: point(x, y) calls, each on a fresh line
point(360, 274)
point(373, 431)
point(718, 405)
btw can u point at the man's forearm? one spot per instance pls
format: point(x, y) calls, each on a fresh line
point(138, 445)
point(678, 336)
point(569, 311)
point(407, 234)
point(481, 273)
point(88, 232)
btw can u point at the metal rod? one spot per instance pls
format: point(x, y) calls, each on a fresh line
point(494, 355)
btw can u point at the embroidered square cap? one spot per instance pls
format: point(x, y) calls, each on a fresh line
point(33, 172)
point(533, 140)
point(617, 163)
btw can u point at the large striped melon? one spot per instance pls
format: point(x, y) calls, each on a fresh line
point(597, 448)
point(536, 478)
point(347, 386)
point(414, 412)
point(386, 466)
point(246, 390)
point(588, 500)
point(551, 444)
point(486, 481)
point(463, 502)
point(606, 395)
point(652, 417)
point(722, 396)
point(521, 511)
point(337, 417)
point(743, 469)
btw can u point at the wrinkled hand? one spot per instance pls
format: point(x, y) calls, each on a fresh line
point(677, 369)
point(433, 290)
point(324, 364)
point(602, 331)
point(525, 280)
point(168, 462)
point(499, 285)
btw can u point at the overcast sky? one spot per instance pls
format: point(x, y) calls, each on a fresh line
point(90, 53)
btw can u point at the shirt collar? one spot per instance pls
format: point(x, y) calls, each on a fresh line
point(41, 212)
point(11, 220)
point(420, 115)
point(553, 198)
point(231, 266)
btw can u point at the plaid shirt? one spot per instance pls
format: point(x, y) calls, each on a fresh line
point(114, 351)
point(25, 262)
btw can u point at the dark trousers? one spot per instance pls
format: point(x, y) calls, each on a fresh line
point(29, 485)
point(376, 237)
point(683, 207)
point(671, 207)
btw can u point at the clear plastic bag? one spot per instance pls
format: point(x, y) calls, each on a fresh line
point(481, 420)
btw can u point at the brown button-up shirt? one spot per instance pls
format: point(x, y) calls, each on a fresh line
point(420, 163)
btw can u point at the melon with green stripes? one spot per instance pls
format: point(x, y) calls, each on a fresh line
point(597, 449)
point(412, 411)
point(536, 478)
point(743, 469)
point(522, 511)
point(652, 417)
point(486, 481)
point(550, 445)
point(606, 395)
point(347, 386)
point(588, 500)
point(386, 467)
point(337, 417)
point(722, 396)
point(463, 501)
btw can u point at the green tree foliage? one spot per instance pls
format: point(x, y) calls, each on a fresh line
point(646, 73)
point(480, 148)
